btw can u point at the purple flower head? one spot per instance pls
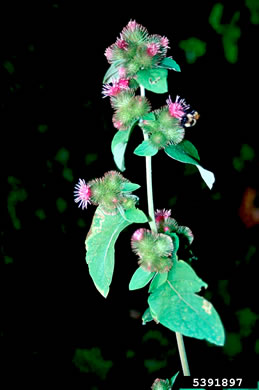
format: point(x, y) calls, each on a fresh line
point(152, 49)
point(115, 88)
point(178, 108)
point(82, 194)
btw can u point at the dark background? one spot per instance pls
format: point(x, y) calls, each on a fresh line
point(56, 128)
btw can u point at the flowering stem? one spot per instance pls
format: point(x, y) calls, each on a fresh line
point(151, 211)
point(152, 224)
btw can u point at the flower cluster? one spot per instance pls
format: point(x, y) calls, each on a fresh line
point(164, 130)
point(166, 224)
point(135, 49)
point(116, 87)
point(168, 125)
point(106, 191)
point(154, 250)
point(128, 108)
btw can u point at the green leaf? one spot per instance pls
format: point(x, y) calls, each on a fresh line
point(119, 144)
point(112, 72)
point(169, 63)
point(186, 152)
point(190, 149)
point(158, 280)
point(145, 149)
point(182, 273)
point(99, 243)
point(178, 308)
point(136, 215)
point(147, 316)
point(176, 242)
point(173, 379)
point(140, 279)
point(130, 187)
point(133, 84)
point(149, 117)
point(154, 80)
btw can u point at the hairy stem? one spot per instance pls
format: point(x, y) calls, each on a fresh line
point(152, 224)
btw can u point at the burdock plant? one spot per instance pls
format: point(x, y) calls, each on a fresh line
point(138, 62)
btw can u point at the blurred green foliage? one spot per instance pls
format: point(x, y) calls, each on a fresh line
point(90, 158)
point(16, 195)
point(155, 335)
point(8, 260)
point(9, 66)
point(68, 174)
point(130, 354)
point(62, 155)
point(247, 154)
point(81, 223)
point(40, 213)
point(61, 205)
point(233, 344)
point(230, 32)
point(253, 6)
point(194, 48)
point(91, 361)
point(42, 128)
point(247, 320)
point(223, 291)
point(153, 365)
point(215, 17)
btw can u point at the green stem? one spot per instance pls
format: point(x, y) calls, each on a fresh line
point(152, 224)
point(182, 353)
point(151, 212)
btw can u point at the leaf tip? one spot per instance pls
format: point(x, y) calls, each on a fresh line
point(103, 292)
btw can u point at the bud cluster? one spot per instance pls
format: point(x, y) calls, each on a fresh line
point(166, 224)
point(106, 191)
point(164, 130)
point(154, 250)
point(128, 108)
point(135, 49)
point(161, 384)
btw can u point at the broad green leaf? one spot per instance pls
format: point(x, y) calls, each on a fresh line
point(100, 242)
point(190, 149)
point(154, 80)
point(186, 152)
point(183, 277)
point(176, 306)
point(145, 149)
point(136, 215)
point(140, 279)
point(158, 280)
point(169, 63)
point(129, 187)
point(112, 72)
point(119, 144)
